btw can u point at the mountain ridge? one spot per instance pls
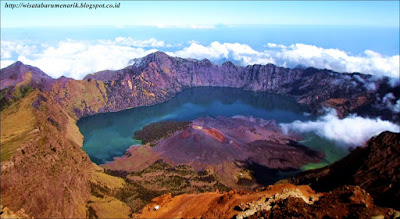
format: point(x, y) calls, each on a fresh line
point(45, 163)
point(157, 77)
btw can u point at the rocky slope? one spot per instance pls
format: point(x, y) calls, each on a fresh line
point(277, 201)
point(353, 187)
point(375, 168)
point(44, 171)
point(239, 151)
point(343, 202)
point(43, 165)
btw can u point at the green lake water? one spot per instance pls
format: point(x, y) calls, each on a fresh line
point(108, 135)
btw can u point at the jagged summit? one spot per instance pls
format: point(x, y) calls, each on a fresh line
point(158, 76)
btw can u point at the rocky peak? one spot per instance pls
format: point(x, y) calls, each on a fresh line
point(17, 64)
point(228, 64)
point(19, 72)
point(157, 57)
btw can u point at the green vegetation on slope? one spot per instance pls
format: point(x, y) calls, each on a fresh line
point(159, 130)
point(6, 98)
point(155, 180)
point(4, 101)
point(12, 94)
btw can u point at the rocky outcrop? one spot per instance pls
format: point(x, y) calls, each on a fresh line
point(375, 168)
point(266, 204)
point(216, 204)
point(343, 202)
point(276, 201)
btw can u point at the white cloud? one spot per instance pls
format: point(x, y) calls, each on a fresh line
point(5, 63)
point(388, 100)
point(396, 107)
point(78, 58)
point(298, 54)
point(9, 49)
point(352, 130)
point(217, 50)
point(274, 45)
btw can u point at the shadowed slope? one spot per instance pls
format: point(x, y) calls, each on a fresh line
point(375, 167)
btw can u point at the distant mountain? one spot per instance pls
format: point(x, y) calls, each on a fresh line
point(301, 66)
point(223, 60)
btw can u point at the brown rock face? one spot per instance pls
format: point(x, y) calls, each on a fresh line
point(219, 205)
point(47, 174)
point(375, 168)
point(277, 201)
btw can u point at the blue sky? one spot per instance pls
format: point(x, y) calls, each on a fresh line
point(364, 13)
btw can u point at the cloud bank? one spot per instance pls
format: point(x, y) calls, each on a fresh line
point(76, 59)
point(352, 130)
point(297, 54)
